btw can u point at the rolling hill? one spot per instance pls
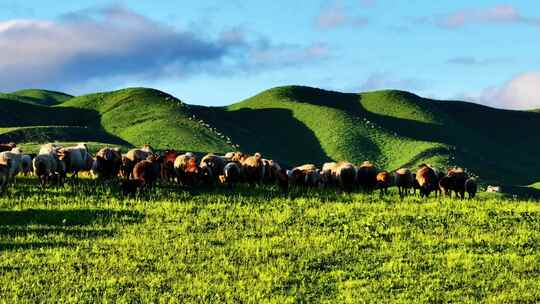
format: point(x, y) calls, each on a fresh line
point(293, 124)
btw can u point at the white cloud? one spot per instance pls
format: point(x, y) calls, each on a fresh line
point(521, 92)
point(334, 15)
point(498, 14)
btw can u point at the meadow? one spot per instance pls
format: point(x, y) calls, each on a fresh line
point(85, 243)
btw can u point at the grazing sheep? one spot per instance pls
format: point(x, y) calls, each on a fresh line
point(4, 174)
point(132, 157)
point(168, 173)
point(7, 147)
point(471, 187)
point(253, 169)
point(126, 170)
point(328, 174)
point(232, 174)
point(15, 164)
point(107, 164)
point(212, 167)
point(458, 177)
point(304, 176)
point(427, 180)
point(341, 174)
point(26, 164)
point(148, 171)
point(383, 181)
point(186, 169)
point(48, 167)
point(493, 189)
point(76, 158)
point(404, 181)
point(454, 180)
point(366, 176)
point(49, 148)
point(346, 176)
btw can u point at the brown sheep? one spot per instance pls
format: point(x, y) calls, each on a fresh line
point(148, 171)
point(404, 181)
point(346, 176)
point(76, 158)
point(132, 157)
point(4, 174)
point(212, 167)
point(328, 174)
point(341, 174)
point(232, 174)
point(427, 180)
point(168, 173)
point(366, 176)
point(454, 181)
point(107, 164)
point(253, 169)
point(383, 181)
point(186, 169)
point(7, 147)
point(471, 187)
point(304, 176)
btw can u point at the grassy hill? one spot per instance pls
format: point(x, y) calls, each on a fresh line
point(293, 124)
point(38, 97)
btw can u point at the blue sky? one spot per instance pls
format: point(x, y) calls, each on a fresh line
point(219, 52)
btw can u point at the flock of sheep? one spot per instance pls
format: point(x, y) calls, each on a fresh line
point(140, 168)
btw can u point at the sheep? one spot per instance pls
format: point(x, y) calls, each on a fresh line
point(346, 176)
point(327, 173)
point(186, 169)
point(383, 181)
point(232, 174)
point(46, 167)
point(7, 147)
point(148, 171)
point(132, 157)
point(253, 169)
point(169, 156)
point(471, 187)
point(454, 180)
point(4, 174)
point(107, 164)
point(404, 181)
point(342, 174)
point(304, 176)
point(367, 176)
point(459, 177)
point(427, 180)
point(76, 158)
point(26, 164)
point(212, 167)
point(15, 166)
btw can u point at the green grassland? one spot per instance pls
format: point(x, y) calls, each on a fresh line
point(85, 244)
point(293, 125)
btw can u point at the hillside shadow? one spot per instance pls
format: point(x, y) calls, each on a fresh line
point(276, 132)
point(45, 124)
point(71, 224)
point(66, 218)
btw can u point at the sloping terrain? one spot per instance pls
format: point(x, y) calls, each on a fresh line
point(38, 97)
point(293, 124)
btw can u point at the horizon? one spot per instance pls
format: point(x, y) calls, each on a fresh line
point(215, 54)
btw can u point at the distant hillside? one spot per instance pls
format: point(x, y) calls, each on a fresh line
point(38, 97)
point(293, 124)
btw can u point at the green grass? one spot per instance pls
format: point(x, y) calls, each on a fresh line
point(141, 116)
point(86, 244)
point(37, 97)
